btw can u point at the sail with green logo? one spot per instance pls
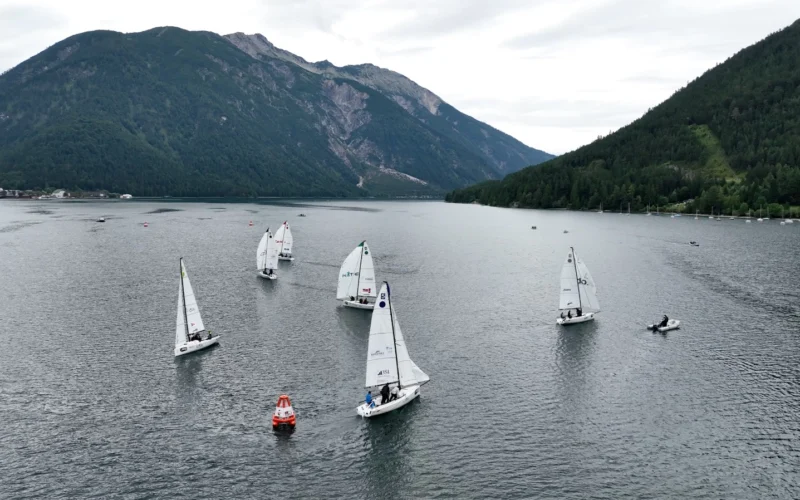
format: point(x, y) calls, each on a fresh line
point(357, 275)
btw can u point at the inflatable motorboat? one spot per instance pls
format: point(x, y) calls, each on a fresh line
point(672, 324)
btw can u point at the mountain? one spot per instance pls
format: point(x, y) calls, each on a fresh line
point(173, 112)
point(729, 140)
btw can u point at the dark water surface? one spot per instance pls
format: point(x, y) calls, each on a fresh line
point(93, 404)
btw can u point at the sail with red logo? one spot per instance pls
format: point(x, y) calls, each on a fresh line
point(578, 297)
point(357, 279)
point(283, 418)
point(284, 241)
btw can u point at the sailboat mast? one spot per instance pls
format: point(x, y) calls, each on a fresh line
point(577, 280)
point(394, 340)
point(358, 280)
point(183, 296)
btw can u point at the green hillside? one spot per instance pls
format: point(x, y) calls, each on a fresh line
point(728, 140)
point(173, 112)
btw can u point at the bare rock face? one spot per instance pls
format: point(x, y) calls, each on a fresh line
point(503, 153)
point(348, 110)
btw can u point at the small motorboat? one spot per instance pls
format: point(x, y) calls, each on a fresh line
point(533, 227)
point(302, 215)
point(672, 324)
point(694, 243)
point(565, 231)
point(101, 219)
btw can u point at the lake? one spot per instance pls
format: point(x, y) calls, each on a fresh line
point(94, 404)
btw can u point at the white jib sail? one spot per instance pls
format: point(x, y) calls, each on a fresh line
point(261, 252)
point(283, 237)
point(569, 298)
point(381, 362)
point(588, 289)
point(188, 301)
point(272, 252)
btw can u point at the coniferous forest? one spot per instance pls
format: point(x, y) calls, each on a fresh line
point(728, 142)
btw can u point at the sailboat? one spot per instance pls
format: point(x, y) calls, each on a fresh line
point(648, 209)
point(284, 240)
point(267, 257)
point(629, 208)
point(601, 209)
point(357, 279)
point(759, 215)
point(189, 326)
point(786, 221)
point(711, 217)
point(578, 292)
point(695, 214)
point(388, 361)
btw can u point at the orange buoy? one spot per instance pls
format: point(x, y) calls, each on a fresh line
point(251, 224)
point(283, 418)
point(145, 224)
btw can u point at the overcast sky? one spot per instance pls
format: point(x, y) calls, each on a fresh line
point(553, 73)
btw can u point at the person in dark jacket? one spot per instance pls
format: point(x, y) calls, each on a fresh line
point(385, 394)
point(664, 321)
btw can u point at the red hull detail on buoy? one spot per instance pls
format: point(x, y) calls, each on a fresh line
point(284, 414)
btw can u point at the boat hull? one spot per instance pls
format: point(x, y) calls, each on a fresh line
point(288, 259)
point(407, 395)
point(356, 305)
point(272, 276)
point(194, 346)
point(672, 324)
point(575, 319)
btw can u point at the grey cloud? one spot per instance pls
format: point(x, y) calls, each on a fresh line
point(24, 20)
point(664, 23)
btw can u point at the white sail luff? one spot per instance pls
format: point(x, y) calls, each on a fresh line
point(366, 280)
point(381, 352)
point(180, 324)
point(261, 252)
point(190, 303)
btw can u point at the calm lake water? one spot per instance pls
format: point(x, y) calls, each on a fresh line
point(93, 403)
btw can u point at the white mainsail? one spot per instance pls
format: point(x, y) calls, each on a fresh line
point(188, 310)
point(271, 254)
point(261, 252)
point(381, 361)
point(283, 238)
point(387, 350)
point(357, 274)
point(569, 298)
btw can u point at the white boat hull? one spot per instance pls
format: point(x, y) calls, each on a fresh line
point(672, 324)
point(262, 274)
point(289, 258)
point(575, 319)
point(357, 305)
point(407, 395)
point(194, 346)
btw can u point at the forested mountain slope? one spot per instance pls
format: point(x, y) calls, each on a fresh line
point(729, 140)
